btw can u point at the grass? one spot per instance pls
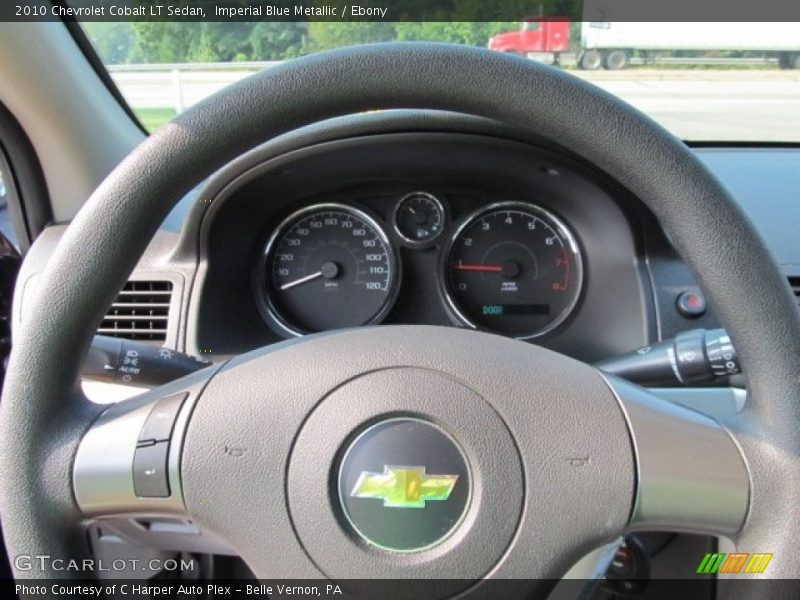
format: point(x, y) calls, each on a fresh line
point(153, 118)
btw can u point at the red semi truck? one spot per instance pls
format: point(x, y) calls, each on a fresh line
point(611, 44)
point(540, 39)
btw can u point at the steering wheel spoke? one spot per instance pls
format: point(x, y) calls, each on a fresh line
point(691, 474)
point(128, 462)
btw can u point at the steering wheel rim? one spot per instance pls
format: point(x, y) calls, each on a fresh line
point(44, 414)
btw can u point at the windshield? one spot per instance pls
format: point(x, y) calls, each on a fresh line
point(717, 82)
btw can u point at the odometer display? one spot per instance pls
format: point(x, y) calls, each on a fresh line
point(328, 266)
point(513, 268)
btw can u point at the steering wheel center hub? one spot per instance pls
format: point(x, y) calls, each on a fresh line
point(387, 477)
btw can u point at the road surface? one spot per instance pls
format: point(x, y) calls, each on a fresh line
point(702, 105)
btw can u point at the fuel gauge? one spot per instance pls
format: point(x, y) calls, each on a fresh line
point(419, 218)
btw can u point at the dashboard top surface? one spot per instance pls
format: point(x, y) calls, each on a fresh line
point(765, 183)
point(762, 179)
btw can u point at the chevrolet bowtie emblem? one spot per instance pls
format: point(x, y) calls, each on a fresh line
point(404, 487)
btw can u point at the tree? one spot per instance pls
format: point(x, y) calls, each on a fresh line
point(327, 35)
point(457, 32)
point(112, 41)
point(168, 42)
point(273, 40)
point(221, 42)
point(160, 42)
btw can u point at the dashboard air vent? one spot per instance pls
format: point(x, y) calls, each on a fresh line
point(795, 283)
point(140, 312)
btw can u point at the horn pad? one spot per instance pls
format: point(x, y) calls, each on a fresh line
point(401, 468)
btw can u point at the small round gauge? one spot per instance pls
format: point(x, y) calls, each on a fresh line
point(513, 268)
point(419, 218)
point(328, 266)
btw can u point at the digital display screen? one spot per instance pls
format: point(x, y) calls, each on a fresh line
point(506, 310)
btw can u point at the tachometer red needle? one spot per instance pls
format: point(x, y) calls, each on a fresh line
point(483, 268)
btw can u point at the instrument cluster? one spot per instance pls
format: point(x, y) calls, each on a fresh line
point(513, 267)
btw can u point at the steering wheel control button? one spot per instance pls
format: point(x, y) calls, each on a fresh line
point(404, 485)
point(160, 421)
point(691, 304)
point(150, 471)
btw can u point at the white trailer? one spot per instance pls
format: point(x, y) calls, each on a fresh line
point(610, 44)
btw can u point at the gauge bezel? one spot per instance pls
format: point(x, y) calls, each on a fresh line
point(552, 220)
point(264, 288)
point(410, 241)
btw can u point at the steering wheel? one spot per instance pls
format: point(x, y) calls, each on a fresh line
point(405, 451)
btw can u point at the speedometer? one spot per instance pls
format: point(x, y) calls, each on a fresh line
point(513, 268)
point(327, 266)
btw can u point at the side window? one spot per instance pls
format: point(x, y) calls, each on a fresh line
point(7, 196)
point(9, 266)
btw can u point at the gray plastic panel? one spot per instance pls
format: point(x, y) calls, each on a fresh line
point(691, 475)
point(103, 470)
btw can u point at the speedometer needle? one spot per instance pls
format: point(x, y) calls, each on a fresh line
point(302, 280)
point(329, 270)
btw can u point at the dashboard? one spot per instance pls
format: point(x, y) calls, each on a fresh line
point(418, 217)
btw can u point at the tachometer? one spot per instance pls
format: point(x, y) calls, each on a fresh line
point(328, 266)
point(513, 268)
